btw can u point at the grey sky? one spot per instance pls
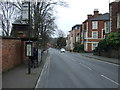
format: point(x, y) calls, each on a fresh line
point(77, 12)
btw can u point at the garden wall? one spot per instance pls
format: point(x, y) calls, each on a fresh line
point(112, 53)
point(12, 53)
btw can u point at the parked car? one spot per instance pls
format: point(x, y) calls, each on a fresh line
point(62, 50)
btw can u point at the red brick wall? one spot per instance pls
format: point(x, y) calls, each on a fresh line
point(115, 9)
point(24, 58)
point(11, 53)
point(90, 29)
point(100, 27)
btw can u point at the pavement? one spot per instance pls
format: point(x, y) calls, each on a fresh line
point(18, 77)
point(106, 59)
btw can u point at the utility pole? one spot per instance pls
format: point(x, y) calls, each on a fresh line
point(109, 18)
point(29, 18)
point(29, 61)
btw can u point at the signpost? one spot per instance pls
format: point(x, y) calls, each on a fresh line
point(29, 53)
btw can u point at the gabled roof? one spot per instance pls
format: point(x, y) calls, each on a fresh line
point(103, 17)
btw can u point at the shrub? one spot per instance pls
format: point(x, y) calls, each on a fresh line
point(113, 40)
point(102, 45)
point(78, 47)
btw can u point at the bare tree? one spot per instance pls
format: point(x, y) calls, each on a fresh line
point(8, 14)
point(60, 33)
point(44, 18)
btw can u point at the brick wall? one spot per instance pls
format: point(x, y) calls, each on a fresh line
point(12, 54)
point(115, 9)
point(112, 53)
point(115, 53)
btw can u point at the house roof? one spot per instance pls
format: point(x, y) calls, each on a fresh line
point(104, 17)
point(101, 17)
point(18, 22)
point(76, 27)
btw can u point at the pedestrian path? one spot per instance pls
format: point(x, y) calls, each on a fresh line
point(106, 59)
point(19, 77)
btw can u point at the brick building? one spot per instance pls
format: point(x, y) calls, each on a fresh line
point(68, 42)
point(115, 16)
point(20, 29)
point(94, 29)
point(73, 37)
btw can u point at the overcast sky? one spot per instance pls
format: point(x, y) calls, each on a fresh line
point(77, 12)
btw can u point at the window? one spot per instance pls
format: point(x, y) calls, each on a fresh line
point(77, 27)
point(95, 34)
point(118, 20)
point(107, 29)
point(94, 45)
point(82, 26)
point(87, 26)
point(85, 35)
point(95, 25)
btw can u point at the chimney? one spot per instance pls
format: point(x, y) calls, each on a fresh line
point(96, 12)
point(89, 16)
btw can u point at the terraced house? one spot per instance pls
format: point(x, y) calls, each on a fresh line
point(94, 29)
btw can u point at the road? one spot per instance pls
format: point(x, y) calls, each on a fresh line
point(72, 70)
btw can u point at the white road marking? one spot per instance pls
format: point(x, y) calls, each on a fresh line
point(110, 80)
point(81, 64)
point(44, 67)
point(85, 66)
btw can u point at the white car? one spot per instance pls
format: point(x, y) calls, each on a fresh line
point(62, 50)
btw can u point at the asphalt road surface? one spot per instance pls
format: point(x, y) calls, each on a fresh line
point(72, 70)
